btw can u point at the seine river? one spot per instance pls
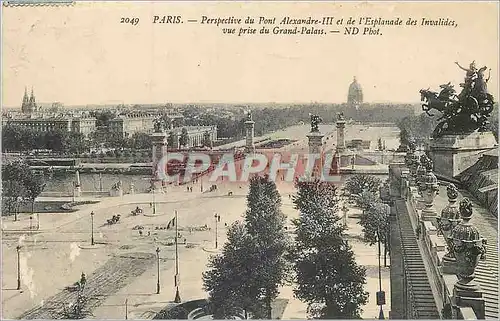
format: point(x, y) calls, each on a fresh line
point(63, 182)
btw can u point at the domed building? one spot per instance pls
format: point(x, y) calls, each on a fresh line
point(355, 95)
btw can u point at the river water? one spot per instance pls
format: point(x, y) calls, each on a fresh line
point(63, 182)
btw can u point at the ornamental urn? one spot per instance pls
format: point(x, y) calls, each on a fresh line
point(469, 246)
point(450, 217)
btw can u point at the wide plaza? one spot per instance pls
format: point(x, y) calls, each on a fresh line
point(123, 260)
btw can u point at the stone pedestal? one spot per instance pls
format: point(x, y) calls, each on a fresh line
point(159, 141)
point(315, 147)
point(340, 136)
point(249, 136)
point(77, 191)
point(116, 192)
point(452, 154)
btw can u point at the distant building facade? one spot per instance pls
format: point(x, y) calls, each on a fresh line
point(355, 94)
point(126, 124)
point(83, 125)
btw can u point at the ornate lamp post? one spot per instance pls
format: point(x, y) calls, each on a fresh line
point(176, 277)
point(92, 228)
point(158, 272)
point(431, 190)
point(345, 209)
point(217, 220)
point(380, 293)
point(450, 217)
point(18, 249)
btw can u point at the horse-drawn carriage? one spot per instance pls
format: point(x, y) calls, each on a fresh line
point(137, 211)
point(115, 219)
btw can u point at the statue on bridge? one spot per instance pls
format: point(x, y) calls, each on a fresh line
point(249, 115)
point(159, 124)
point(463, 113)
point(315, 121)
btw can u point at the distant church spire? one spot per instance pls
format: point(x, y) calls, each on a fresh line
point(25, 98)
point(29, 103)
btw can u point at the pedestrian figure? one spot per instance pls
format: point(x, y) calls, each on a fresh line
point(83, 281)
point(185, 241)
point(140, 232)
point(225, 224)
point(149, 233)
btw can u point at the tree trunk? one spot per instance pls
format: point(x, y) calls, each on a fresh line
point(385, 253)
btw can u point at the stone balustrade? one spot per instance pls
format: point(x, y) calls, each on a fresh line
point(454, 292)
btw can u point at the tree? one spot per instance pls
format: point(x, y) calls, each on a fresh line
point(359, 183)
point(207, 140)
point(230, 275)
point(375, 223)
point(266, 224)
point(184, 138)
point(14, 193)
point(141, 141)
point(366, 199)
point(34, 185)
point(327, 275)
point(253, 264)
point(170, 140)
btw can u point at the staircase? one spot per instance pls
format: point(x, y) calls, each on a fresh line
point(421, 298)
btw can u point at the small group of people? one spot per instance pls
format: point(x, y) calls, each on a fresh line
point(189, 188)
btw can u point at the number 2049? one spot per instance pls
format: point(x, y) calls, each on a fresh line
point(132, 21)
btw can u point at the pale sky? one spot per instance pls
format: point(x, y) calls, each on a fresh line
point(81, 54)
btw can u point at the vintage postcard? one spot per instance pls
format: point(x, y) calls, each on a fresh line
point(249, 160)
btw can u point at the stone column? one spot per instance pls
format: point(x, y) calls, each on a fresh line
point(315, 148)
point(429, 213)
point(159, 140)
point(420, 180)
point(176, 143)
point(405, 184)
point(78, 187)
point(449, 219)
point(249, 135)
point(340, 134)
point(469, 247)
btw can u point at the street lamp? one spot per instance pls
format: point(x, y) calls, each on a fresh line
point(154, 201)
point(345, 209)
point(176, 277)
point(217, 220)
point(37, 221)
point(18, 249)
point(31, 224)
point(380, 293)
point(158, 277)
point(92, 228)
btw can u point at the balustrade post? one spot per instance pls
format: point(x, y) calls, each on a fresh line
point(449, 219)
point(469, 247)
